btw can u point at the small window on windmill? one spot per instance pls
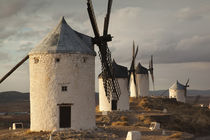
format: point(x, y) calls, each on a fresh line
point(84, 59)
point(57, 60)
point(64, 88)
point(36, 60)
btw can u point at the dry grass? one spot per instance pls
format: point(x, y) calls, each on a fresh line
point(97, 108)
point(124, 118)
point(176, 135)
point(180, 116)
point(141, 117)
point(145, 119)
point(120, 123)
point(132, 99)
point(99, 118)
point(28, 132)
point(144, 104)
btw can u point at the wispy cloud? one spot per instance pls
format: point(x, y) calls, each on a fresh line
point(4, 57)
point(175, 32)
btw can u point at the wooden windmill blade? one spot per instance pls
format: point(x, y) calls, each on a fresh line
point(186, 85)
point(151, 70)
point(135, 52)
point(92, 18)
point(132, 67)
point(96, 33)
point(111, 85)
point(134, 73)
point(106, 20)
point(13, 69)
point(137, 49)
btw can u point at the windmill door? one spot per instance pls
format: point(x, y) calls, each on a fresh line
point(114, 104)
point(65, 116)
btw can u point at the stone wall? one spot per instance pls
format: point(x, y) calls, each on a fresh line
point(178, 94)
point(122, 104)
point(133, 88)
point(48, 74)
point(142, 81)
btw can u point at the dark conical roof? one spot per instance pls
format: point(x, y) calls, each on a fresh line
point(141, 70)
point(177, 86)
point(63, 39)
point(120, 71)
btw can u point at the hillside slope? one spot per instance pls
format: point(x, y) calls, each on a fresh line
point(13, 96)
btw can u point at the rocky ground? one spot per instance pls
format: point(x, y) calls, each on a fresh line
point(181, 121)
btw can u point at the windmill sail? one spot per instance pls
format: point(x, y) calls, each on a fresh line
point(132, 72)
point(151, 71)
point(111, 85)
point(13, 69)
point(186, 85)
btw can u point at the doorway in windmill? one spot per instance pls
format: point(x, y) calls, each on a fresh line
point(65, 116)
point(114, 104)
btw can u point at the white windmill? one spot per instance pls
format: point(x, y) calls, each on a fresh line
point(59, 65)
point(121, 75)
point(63, 62)
point(62, 71)
point(139, 77)
point(179, 91)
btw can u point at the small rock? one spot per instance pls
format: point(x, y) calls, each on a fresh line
point(133, 135)
point(165, 110)
point(163, 132)
point(154, 126)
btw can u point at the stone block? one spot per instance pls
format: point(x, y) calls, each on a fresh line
point(133, 135)
point(154, 126)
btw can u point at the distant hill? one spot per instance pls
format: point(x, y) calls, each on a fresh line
point(13, 96)
point(189, 92)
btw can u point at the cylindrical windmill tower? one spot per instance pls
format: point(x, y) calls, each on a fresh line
point(121, 75)
point(132, 74)
point(142, 80)
point(178, 91)
point(62, 71)
point(62, 84)
point(133, 86)
point(139, 77)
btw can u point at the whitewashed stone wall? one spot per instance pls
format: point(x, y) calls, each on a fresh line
point(123, 102)
point(178, 94)
point(132, 87)
point(142, 81)
point(77, 72)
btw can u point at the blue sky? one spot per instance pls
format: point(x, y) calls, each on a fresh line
point(176, 32)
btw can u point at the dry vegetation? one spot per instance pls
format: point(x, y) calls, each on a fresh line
point(180, 116)
point(120, 123)
point(176, 135)
point(8, 107)
point(179, 119)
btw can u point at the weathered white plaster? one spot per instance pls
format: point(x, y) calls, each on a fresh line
point(77, 72)
point(132, 87)
point(142, 81)
point(133, 135)
point(123, 102)
point(178, 94)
